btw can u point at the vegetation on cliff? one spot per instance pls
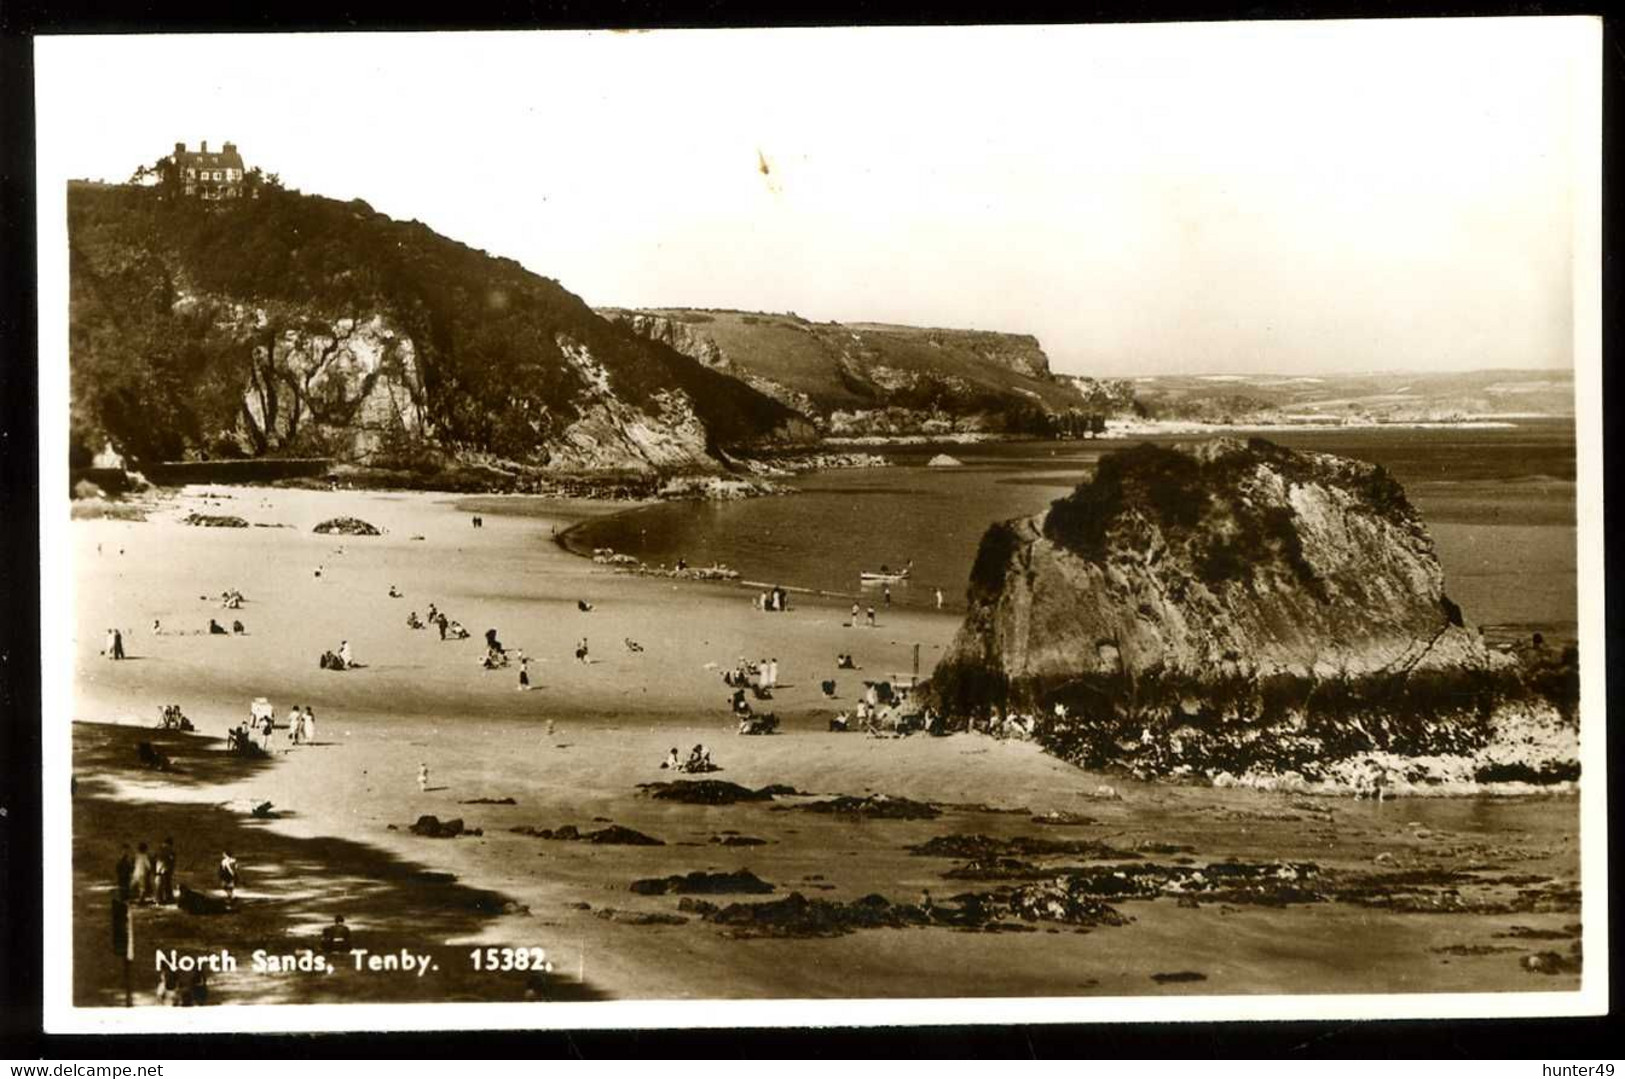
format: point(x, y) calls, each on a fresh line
point(209, 329)
point(884, 379)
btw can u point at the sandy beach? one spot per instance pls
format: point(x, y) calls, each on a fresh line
point(574, 748)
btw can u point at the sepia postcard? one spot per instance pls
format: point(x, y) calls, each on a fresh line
point(822, 527)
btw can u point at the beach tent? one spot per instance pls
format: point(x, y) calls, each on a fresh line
point(260, 709)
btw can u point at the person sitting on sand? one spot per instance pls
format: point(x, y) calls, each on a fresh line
point(237, 627)
point(336, 937)
point(581, 651)
point(456, 631)
point(216, 627)
point(318, 573)
point(346, 657)
point(156, 628)
point(228, 874)
point(583, 606)
point(413, 621)
point(633, 646)
point(840, 722)
point(394, 593)
point(671, 762)
point(845, 662)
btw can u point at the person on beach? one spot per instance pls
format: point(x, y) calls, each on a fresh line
point(886, 593)
point(336, 937)
point(855, 613)
point(124, 871)
point(434, 613)
point(671, 762)
point(581, 651)
point(345, 655)
point(296, 725)
point(318, 573)
point(308, 723)
point(237, 627)
point(228, 874)
point(423, 778)
point(156, 629)
point(164, 869)
point(118, 645)
point(107, 644)
point(141, 875)
point(773, 673)
point(413, 621)
point(216, 628)
point(871, 616)
point(394, 593)
point(440, 623)
point(267, 725)
point(524, 674)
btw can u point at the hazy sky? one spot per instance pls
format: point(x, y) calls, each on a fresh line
point(1145, 199)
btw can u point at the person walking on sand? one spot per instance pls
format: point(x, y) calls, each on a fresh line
point(423, 778)
point(107, 644)
point(141, 875)
point(773, 673)
point(295, 724)
point(854, 614)
point(871, 616)
point(939, 599)
point(124, 872)
point(524, 674)
point(164, 868)
point(267, 725)
point(886, 592)
point(308, 726)
point(118, 645)
point(581, 651)
point(228, 874)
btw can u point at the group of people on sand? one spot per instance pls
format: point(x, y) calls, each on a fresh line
point(171, 718)
point(113, 647)
point(450, 628)
point(217, 630)
point(342, 660)
point(762, 676)
point(699, 760)
point(301, 725)
point(774, 599)
point(231, 599)
point(146, 877)
point(867, 616)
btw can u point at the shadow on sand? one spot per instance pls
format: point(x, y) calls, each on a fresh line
point(289, 888)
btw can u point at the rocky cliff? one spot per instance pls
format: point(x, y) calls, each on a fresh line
point(870, 378)
point(293, 325)
point(1184, 604)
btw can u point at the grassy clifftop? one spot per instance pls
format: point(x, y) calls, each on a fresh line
point(848, 374)
point(195, 328)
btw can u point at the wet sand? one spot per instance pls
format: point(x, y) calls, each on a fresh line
point(331, 849)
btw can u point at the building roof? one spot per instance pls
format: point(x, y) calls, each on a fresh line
point(212, 160)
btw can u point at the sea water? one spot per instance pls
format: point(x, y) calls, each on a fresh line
point(1499, 503)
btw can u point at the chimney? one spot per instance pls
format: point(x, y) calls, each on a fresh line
point(230, 148)
point(203, 147)
point(180, 147)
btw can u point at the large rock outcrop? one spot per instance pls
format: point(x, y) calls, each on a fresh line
point(1186, 603)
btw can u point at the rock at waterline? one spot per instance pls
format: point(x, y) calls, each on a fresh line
point(347, 526)
point(1243, 609)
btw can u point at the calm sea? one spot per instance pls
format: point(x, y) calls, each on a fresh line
point(1500, 505)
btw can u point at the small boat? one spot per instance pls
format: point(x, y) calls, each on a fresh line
point(886, 576)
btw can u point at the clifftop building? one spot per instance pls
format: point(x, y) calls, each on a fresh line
point(208, 174)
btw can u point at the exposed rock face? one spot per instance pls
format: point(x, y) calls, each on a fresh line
point(1230, 556)
point(293, 326)
point(1237, 606)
